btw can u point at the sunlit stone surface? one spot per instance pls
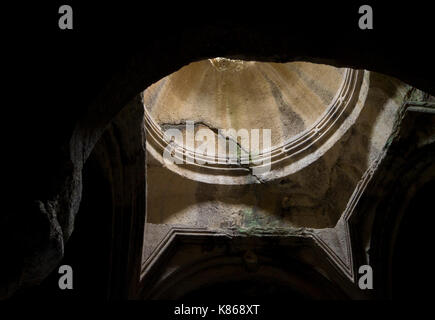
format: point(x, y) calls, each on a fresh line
point(221, 94)
point(288, 98)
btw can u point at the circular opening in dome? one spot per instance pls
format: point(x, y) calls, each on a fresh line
point(237, 117)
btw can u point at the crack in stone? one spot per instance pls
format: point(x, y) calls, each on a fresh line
point(182, 125)
point(205, 124)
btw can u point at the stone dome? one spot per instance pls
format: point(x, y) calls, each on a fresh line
point(291, 113)
point(222, 93)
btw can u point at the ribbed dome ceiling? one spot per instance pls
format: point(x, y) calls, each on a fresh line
point(222, 93)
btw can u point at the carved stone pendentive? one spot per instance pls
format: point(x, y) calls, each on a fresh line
point(317, 179)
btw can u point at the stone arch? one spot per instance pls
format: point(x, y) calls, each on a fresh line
point(61, 205)
point(407, 170)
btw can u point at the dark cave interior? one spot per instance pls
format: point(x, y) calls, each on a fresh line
point(106, 58)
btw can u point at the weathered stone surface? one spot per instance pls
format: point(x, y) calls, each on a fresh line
point(313, 197)
point(287, 98)
point(102, 80)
